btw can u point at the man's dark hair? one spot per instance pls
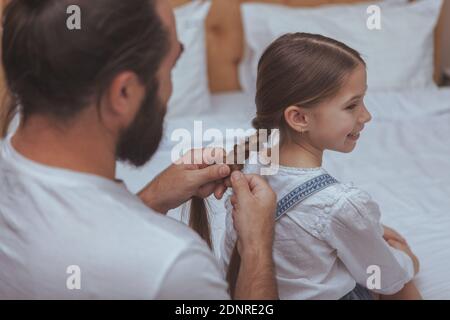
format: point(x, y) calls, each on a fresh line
point(55, 71)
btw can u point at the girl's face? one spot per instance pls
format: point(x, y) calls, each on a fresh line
point(336, 124)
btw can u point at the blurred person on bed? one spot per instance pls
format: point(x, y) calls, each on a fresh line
point(312, 89)
point(87, 98)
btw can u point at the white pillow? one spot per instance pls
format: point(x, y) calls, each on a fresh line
point(190, 76)
point(400, 55)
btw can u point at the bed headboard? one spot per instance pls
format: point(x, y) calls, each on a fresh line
point(3, 93)
point(225, 39)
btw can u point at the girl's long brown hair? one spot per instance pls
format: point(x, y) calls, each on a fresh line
point(199, 221)
point(299, 69)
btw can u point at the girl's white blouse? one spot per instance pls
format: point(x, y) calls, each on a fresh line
point(327, 243)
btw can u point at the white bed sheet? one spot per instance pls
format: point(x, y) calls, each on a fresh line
point(402, 160)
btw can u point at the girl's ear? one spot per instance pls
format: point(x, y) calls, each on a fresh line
point(297, 118)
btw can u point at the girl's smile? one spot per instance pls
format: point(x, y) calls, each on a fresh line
point(353, 136)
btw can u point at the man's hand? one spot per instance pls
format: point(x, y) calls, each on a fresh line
point(192, 175)
point(254, 205)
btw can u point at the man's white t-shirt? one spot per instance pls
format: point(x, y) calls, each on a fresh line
point(60, 230)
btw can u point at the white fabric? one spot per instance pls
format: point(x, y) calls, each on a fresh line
point(401, 160)
point(52, 218)
point(190, 75)
point(400, 55)
point(325, 244)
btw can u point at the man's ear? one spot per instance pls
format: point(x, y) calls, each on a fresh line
point(297, 118)
point(124, 98)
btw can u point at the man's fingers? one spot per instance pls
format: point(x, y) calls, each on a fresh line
point(191, 157)
point(212, 173)
point(213, 155)
point(227, 182)
point(206, 190)
point(202, 157)
point(254, 185)
point(259, 187)
point(233, 200)
point(240, 185)
point(233, 216)
point(216, 188)
point(220, 190)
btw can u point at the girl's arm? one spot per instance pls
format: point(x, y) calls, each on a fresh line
point(356, 233)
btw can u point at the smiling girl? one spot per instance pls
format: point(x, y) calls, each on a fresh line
point(312, 89)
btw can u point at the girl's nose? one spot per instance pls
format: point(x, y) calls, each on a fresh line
point(365, 115)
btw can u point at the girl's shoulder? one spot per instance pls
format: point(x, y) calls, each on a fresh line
point(337, 196)
point(334, 200)
point(340, 204)
point(286, 179)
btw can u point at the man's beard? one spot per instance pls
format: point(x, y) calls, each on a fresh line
point(141, 139)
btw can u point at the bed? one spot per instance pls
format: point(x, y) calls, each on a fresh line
point(402, 159)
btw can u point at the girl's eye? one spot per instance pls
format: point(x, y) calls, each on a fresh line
point(351, 107)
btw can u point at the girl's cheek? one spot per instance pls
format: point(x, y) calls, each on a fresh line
point(350, 121)
point(342, 124)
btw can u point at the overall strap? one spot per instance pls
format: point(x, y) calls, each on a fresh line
point(302, 192)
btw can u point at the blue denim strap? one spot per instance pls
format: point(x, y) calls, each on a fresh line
point(302, 192)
